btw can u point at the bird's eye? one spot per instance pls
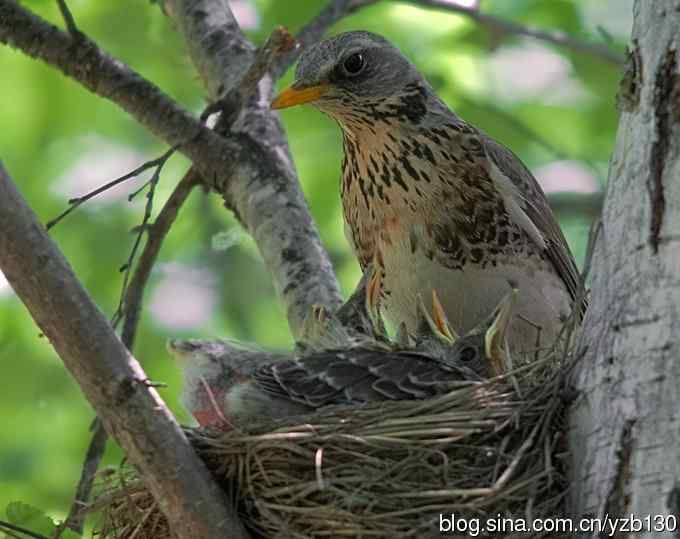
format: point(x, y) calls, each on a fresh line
point(354, 64)
point(468, 354)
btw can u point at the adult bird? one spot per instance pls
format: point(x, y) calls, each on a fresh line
point(226, 385)
point(430, 200)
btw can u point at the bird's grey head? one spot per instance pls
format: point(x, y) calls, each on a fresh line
point(350, 71)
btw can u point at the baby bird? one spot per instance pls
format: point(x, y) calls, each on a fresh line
point(229, 386)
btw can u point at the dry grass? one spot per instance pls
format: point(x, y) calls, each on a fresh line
point(385, 470)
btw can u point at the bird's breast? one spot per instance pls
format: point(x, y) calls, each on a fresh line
point(391, 186)
point(433, 219)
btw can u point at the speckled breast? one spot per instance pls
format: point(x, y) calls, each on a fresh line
point(447, 230)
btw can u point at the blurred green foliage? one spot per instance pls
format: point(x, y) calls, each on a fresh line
point(58, 141)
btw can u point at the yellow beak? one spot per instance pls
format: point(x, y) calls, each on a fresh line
point(293, 96)
point(494, 339)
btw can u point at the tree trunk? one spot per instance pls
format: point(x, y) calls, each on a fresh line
point(624, 425)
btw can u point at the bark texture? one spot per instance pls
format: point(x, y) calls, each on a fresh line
point(263, 189)
point(624, 424)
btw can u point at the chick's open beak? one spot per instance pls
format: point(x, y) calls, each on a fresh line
point(296, 96)
point(494, 339)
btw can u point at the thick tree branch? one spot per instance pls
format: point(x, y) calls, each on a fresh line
point(337, 9)
point(256, 178)
point(623, 425)
point(503, 26)
point(131, 311)
point(263, 190)
point(111, 379)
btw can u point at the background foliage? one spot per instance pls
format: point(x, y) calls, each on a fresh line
point(554, 108)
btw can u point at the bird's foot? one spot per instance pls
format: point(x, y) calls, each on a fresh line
point(315, 326)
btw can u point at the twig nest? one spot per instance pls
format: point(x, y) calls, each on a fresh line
point(490, 449)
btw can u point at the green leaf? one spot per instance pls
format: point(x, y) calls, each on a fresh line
point(31, 518)
point(34, 519)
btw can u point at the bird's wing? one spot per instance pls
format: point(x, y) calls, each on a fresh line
point(538, 220)
point(357, 375)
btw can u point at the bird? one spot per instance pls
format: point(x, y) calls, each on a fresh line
point(432, 201)
point(229, 386)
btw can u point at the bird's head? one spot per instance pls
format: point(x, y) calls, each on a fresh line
point(350, 72)
point(482, 349)
point(215, 375)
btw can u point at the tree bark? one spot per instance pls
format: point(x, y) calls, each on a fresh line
point(624, 425)
point(263, 189)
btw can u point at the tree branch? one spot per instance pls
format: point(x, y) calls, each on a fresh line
point(264, 190)
point(256, 178)
point(503, 26)
point(586, 204)
point(111, 379)
point(77, 201)
point(156, 234)
point(140, 231)
point(315, 29)
point(109, 78)
point(69, 21)
point(131, 310)
point(95, 451)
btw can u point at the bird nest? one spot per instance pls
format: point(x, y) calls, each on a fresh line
point(491, 449)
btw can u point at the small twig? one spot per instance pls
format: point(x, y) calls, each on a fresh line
point(141, 523)
point(156, 234)
point(588, 204)
point(278, 42)
point(69, 20)
point(127, 267)
point(152, 383)
point(95, 451)
point(503, 26)
point(608, 38)
point(318, 460)
point(13, 527)
point(132, 195)
point(75, 202)
point(314, 30)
